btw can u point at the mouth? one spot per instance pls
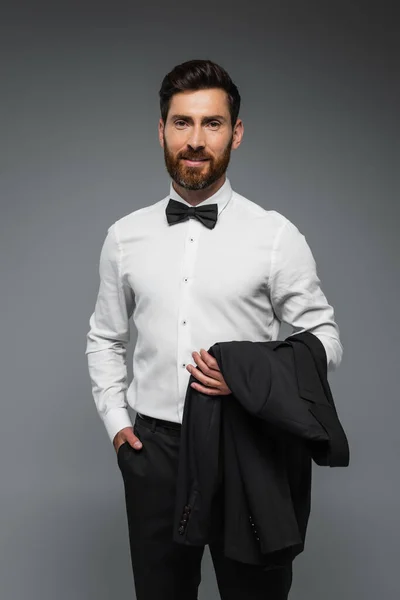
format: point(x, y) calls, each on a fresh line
point(195, 163)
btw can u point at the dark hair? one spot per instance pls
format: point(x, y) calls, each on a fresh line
point(198, 75)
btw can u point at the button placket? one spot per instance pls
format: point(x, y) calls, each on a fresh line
point(184, 335)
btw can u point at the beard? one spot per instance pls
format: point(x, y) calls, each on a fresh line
point(196, 177)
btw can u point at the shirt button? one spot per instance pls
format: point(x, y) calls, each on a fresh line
point(192, 239)
point(183, 322)
point(185, 279)
point(183, 364)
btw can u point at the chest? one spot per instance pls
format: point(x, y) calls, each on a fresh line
point(229, 266)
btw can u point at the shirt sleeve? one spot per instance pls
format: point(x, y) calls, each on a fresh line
point(296, 294)
point(108, 337)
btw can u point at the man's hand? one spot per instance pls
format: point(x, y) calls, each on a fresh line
point(126, 435)
point(209, 374)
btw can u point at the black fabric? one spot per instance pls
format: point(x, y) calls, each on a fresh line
point(262, 438)
point(163, 569)
point(178, 211)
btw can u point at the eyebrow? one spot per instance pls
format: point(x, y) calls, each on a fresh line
point(204, 119)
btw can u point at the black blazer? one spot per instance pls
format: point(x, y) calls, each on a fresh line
point(256, 446)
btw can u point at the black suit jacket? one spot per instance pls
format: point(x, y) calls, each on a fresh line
point(256, 446)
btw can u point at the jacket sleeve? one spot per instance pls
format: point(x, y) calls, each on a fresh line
point(108, 337)
point(296, 294)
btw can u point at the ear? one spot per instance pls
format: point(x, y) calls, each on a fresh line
point(161, 132)
point(238, 132)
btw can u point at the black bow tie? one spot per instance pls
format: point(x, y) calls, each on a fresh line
point(177, 212)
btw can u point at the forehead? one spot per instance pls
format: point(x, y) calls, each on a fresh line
point(200, 102)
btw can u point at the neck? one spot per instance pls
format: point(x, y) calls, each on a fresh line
point(194, 197)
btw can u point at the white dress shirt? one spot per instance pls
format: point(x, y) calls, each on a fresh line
point(188, 287)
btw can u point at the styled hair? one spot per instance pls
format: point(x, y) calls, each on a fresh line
point(198, 75)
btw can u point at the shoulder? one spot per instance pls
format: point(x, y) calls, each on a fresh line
point(139, 219)
point(253, 210)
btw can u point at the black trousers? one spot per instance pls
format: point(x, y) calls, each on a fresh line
point(163, 569)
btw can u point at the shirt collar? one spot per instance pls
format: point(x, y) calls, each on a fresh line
point(221, 196)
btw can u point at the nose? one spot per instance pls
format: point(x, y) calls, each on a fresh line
point(196, 138)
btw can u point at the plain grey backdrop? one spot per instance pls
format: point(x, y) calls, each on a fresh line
point(79, 149)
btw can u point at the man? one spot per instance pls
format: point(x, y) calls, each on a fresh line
point(232, 271)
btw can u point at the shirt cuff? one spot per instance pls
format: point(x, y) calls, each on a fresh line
point(115, 420)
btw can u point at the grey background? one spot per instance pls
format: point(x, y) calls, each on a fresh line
point(79, 149)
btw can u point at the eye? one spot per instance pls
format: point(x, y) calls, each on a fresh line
point(179, 123)
point(214, 124)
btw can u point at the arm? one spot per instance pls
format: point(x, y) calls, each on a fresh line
point(296, 295)
point(108, 337)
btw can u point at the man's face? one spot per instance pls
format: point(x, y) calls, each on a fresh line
point(197, 137)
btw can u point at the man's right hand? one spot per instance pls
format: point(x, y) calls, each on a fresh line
point(126, 435)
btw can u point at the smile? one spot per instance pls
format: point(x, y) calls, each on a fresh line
point(194, 162)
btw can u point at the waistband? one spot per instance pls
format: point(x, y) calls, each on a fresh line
point(155, 424)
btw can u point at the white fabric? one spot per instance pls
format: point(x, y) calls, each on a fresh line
point(186, 288)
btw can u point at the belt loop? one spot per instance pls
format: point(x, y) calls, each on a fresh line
point(153, 425)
